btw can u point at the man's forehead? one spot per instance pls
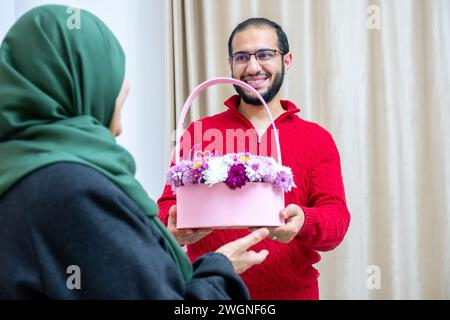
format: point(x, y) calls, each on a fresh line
point(254, 38)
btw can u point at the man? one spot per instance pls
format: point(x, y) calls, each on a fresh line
point(316, 213)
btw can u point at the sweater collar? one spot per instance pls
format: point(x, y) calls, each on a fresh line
point(233, 103)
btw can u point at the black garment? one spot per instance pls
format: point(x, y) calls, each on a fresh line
point(70, 215)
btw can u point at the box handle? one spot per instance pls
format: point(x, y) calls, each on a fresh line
point(205, 85)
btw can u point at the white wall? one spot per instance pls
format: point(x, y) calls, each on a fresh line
point(6, 16)
point(139, 26)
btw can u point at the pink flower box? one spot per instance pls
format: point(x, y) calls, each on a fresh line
point(255, 204)
point(235, 193)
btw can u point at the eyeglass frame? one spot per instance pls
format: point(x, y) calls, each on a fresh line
point(275, 51)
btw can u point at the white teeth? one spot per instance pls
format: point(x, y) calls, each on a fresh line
point(255, 81)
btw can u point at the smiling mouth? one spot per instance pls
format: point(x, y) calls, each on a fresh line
point(256, 82)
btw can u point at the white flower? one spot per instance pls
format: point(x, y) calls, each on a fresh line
point(229, 159)
point(255, 169)
point(272, 162)
point(217, 171)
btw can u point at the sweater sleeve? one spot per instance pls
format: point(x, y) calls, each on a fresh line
point(326, 215)
point(118, 250)
point(165, 202)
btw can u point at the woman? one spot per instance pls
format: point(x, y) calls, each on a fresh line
point(74, 222)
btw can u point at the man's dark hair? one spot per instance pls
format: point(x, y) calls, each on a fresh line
point(283, 43)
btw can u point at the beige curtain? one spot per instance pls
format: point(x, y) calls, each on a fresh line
point(376, 74)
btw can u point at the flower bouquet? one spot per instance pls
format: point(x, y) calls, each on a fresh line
point(230, 191)
point(234, 170)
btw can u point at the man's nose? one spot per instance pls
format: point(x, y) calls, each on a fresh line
point(253, 65)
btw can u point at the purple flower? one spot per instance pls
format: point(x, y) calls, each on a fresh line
point(191, 177)
point(194, 174)
point(236, 176)
point(269, 168)
point(284, 180)
point(255, 169)
point(175, 175)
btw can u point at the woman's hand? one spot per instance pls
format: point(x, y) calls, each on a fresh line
point(237, 253)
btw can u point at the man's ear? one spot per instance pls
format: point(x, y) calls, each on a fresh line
point(287, 60)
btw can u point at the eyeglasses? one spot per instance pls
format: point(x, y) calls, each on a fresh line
point(264, 56)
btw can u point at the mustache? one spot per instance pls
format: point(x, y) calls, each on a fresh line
point(261, 73)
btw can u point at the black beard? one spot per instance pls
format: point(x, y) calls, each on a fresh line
point(268, 96)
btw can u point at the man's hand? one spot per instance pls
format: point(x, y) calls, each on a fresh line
point(237, 253)
point(184, 236)
point(294, 218)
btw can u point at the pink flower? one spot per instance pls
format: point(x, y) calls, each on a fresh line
point(175, 175)
point(284, 180)
point(255, 169)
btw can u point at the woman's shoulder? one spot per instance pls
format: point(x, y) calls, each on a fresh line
point(63, 185)
point(67, 177)
point(66, 173)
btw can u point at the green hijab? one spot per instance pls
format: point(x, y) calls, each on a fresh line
point(58, 90)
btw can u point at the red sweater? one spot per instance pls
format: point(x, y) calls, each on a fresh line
point(311, 153)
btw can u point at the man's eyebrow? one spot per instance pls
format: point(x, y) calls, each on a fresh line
point(241, 52)
point(261, 49)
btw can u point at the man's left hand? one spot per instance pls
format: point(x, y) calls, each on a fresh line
point(294, 218)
